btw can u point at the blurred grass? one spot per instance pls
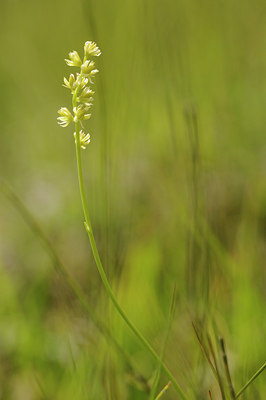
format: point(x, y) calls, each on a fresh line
point(175, 178)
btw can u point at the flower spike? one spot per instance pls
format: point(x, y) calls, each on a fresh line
point(81, 92)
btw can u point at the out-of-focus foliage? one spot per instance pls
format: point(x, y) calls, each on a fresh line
point(176, 183)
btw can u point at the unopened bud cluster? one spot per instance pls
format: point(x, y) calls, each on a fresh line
point(82, 94)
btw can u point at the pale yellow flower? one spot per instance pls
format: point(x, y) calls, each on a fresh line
point(81, 112)
point(69, 84)
point(86, 96)
point(65, 117)
point(84, 140)
point(91, 49)
point(74, 59)
point(87, 67)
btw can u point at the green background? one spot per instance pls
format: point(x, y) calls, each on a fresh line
point(175, 178)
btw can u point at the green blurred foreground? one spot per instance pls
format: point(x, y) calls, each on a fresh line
point(175, 177)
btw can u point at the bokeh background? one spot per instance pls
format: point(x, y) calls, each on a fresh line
point(175, 178)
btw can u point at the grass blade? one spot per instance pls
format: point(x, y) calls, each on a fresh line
point(227, 371)
point(216, 367)
point(260, 370)
point(163, 391)
point(169, 323)
point(215, 372)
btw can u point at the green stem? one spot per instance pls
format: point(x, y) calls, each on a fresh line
point(227, 371)
point(159, 368)
point(251, 380)
point(163, 391)
point(62, 270)
point(102, 273)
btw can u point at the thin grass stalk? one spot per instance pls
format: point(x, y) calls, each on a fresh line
point(260, 370)
point(209, 361)
point(227, 371)
point(216, 367)
point(168, 327)
point(205, 353)
point(163, 391)
point(40, 386)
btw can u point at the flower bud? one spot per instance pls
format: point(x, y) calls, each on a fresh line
point(84, 140)
point(81, 82)
point(91, 49)
point(81, 113)
point(74, 59)
point(92, 73)
point(70, 83)
point(87, 67)
point(86, 96)
point(65, 117)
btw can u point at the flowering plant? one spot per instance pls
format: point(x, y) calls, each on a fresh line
point(82, 97)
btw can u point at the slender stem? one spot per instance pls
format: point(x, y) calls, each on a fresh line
point(63, 271)
point(168, 327)
point(251, 380)
point(163, 391)
point(102, 273)
point(207, 357)
point(216, 367)
point(227, 371)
